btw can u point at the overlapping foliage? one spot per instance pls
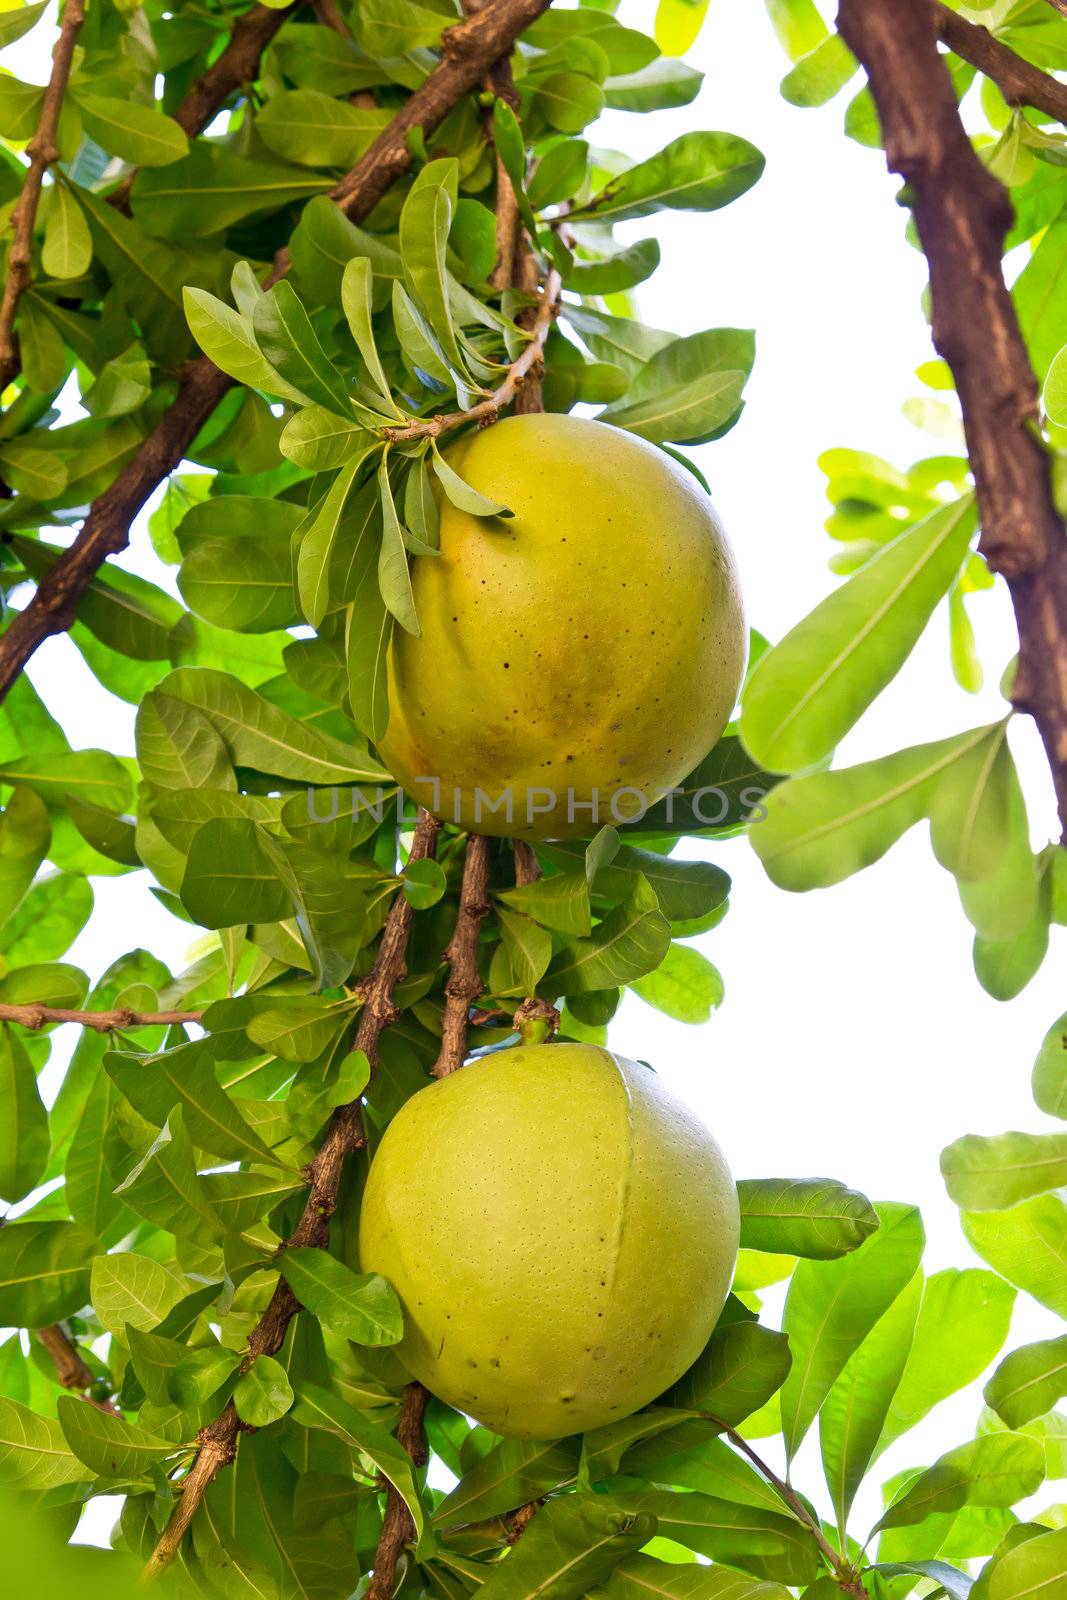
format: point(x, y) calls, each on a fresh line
point(150, 1200)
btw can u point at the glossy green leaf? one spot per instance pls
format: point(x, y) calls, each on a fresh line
point(1029, 1381)
point(68, 247)
point(741, 1367)
point(1038, 1566)
point(994, 1173)
point(285, 335)
point(110, 1446)
point(44, 1272)
point(263, 1394)
point(164, 1186)
point(1027, 1245)
point(685, 985)
point(808, 691)
point(394, 576)
point(33, 1451)
point(631, 941)
point(696, 172)
point(24, 1140)
point(316, 130)
point(1050, 1071)
point(817, 1218)
point(994, 1471)
point(359, 1306)
point(25, 834)
point(833, 1305)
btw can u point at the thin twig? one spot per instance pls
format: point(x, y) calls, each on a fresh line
point(841, 1569)
point(464, 983)
point(963, 214)
point(521, 372)
point(1019, 82)
point(34, 1015)
point(42, 151)
point(397, 1527)
point(218, 1442)
point(466, 50)
point(71, 1370)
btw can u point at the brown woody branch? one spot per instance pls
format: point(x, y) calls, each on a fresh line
point(962, 214)
point(521, 374)
point(1020, 83)
point(237, 66)
point(527, 866)
point(464, 983)
point(34, 1016)
point(466, 51)
point(218, 1442)
point(71, 1370)
point(1060, 6)
point(397, 1527)
point(42, 151)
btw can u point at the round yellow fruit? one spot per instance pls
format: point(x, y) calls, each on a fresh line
point(562, 1234)
point(589, 648)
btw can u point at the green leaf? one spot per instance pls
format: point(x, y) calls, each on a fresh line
point(560, 902)
point(808, 691)
point(134, 1289)
point(817, 1218)
point(424, 225)
point(33, 1452)
point(394, 577)
point(258, 735)
point(264, 1394)
point(1056, 389)
point(971, 808)
point(678, 24)
point(955, 1585)
point(821, 828)
point(642, 1577)
point(67, 251)
point(316, 130)
point(997, 1470)
point(213, 188)
point(201, 1374)
point(992, 1174)
point(314, 559)
point(631, 941)
point(110, 1446)
point(686, 890)
point(387, 28)
point(697, 172)
point(820, 74)
point(24, 1141)
point(624, 270)
point(528, 946)
point(685, 985)
point(178, 747)
point(1050, 1071)
point(44, 1272)
point(688, 391)
point(358, 1306)
point(1029, 1381)
point(320, 440)
point(833, 1305)
point(19, 20)
point(511, 1473)
point(331, 911)
point(237, 562)
point(854, 1412)
point(570, 1546)
point(963, 1321)
point(741, 1367)
point(1033, 1568)
point(285, 335)
point(424, 884)
point(1027, 1245)
point(1038, 293)
point(461, 494)
point(25, 834)
point(138, 134)
point(185, 1077)
point(229, 878)
point(300, 1030)
point(368, 630)
point(663, 85)
point(320, 1408)
point(766, 1543)
point(164, 1187)
point(357, 292)
point(229, 340)
point(1005, 966)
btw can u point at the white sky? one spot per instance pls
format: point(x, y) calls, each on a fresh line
point(854, 1040)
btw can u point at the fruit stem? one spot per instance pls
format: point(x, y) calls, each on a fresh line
point(536, 1021)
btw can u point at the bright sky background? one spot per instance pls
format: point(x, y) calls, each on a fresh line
point(854, 1041)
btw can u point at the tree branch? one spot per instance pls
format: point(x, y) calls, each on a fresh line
point(397, 1526)
point(1020, 83)
point(466, 51)
point(962, 214)
point(42, 151)
point(218, 1442)
point(236, 66)
point(521, 375)
point(71, 1370)
point(33, 1015)
point(464, 983)
point(1060, 6)
point(527, 866)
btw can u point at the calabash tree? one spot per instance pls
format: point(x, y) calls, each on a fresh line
point(318, 289)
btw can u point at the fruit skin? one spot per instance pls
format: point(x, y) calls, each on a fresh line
point(561, 1231)
point(594, 641)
